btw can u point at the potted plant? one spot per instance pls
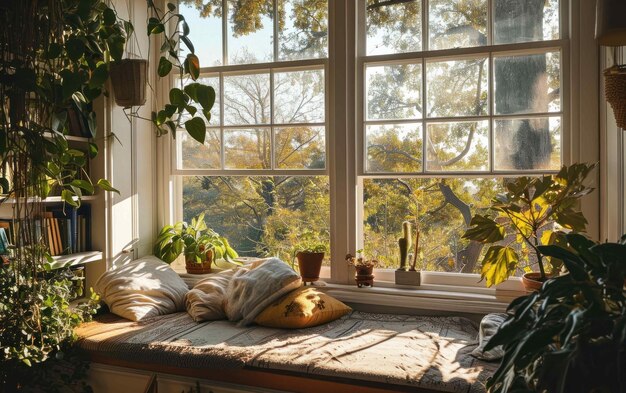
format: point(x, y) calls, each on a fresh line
point(310, 255)
point(570, 336)
point(364, 269)
point(200, 245)
point(524, 220)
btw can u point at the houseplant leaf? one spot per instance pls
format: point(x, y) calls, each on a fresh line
point(498, 264)
point(484, 230)
point(196, 128)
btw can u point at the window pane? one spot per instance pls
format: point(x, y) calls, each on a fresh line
point(262, 216)
point(443, 207)
point(299, 97)
point(531, 143)
point(462, 146)
point(394, 147)
point(247, 149)
point(527, 84)
point(251, 30)
point(193, 155)
point(394, 28)
point(303, 29)
point(457, 24)
point(300, 147)
point(457, 88)
point(394, 91)
point(205, 21)
point(525, 21)
point(247, 99)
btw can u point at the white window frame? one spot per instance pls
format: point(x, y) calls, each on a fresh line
point(345, 118)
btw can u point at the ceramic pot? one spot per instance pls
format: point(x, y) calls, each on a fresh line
point(364, 276)
point(310, 264)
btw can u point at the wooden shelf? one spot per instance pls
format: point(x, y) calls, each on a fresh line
point(52, 199)
point(71, 137)
point(79, 258)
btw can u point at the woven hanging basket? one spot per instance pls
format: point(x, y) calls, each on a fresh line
point(129, 80)
point(615, 89)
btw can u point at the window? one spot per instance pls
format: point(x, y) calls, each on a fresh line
point(261, 178)
point(452, 99)
point(455, 97)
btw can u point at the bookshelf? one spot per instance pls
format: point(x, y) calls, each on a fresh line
point(72, 242)
point(79, 258)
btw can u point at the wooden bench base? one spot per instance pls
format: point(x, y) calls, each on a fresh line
point(248, 379)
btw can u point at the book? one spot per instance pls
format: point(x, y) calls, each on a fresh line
point(49, 236)
point(4, 242)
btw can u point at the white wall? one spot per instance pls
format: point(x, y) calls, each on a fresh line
point(131, 159)
point(613, 162)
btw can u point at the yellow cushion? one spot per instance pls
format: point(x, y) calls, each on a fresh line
point(302, 308)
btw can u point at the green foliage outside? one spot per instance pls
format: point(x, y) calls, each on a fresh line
point(266, 215)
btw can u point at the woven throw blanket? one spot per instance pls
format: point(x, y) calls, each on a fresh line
point(425, 352)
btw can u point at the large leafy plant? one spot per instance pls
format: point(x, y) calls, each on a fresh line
point(523, 218)
point(570, 336)
point(194, 240)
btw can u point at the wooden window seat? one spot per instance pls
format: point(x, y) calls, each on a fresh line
point(361, 352)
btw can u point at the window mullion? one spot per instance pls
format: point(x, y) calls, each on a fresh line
point(224, 32)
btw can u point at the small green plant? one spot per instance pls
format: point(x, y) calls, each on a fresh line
point(359, 261)
point(570, 336)
point(194, 240)
point(523, 215)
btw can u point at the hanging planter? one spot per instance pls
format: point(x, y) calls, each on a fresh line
point(615, 90)
point(129, 78)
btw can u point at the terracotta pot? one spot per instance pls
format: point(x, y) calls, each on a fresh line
point(532, 281)
point(194, 267)
point(310, 264)
point(129, 78)
point(364, 276)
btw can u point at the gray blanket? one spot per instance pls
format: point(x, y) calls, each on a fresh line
point(425, 352)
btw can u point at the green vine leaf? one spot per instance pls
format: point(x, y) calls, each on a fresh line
point(155, 26)
point(196, 128)
point(165, 66)
point(68, 197)
point(106, 185)
point(192, 66)
point(75, 48)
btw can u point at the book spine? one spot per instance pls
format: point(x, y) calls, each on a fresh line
point(4, 242)
point(50, 240)
point(68, 236)
point(74, 228)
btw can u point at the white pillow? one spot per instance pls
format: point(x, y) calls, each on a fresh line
point(251, 290)
point(205, 302)
point(143, 288)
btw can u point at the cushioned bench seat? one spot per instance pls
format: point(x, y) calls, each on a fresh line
point(398, 352)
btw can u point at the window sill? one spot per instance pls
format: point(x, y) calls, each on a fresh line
point(426, 297)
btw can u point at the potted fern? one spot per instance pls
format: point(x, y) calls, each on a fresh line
point(523, 219)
